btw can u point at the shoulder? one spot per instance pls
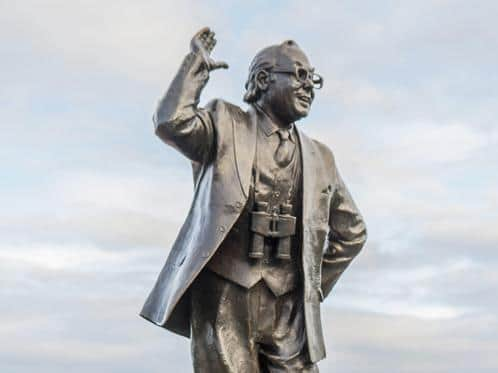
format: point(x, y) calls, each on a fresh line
point(219, 106)
point(321, 150)
point(224, 115)
point(327, 159)
point(325, 152)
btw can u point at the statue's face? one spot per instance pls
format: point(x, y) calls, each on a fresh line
point(288, 95)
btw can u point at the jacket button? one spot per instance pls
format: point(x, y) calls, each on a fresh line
point(238, 205)
point(221, 228)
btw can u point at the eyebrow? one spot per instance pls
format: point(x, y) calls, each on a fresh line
point(312, 69)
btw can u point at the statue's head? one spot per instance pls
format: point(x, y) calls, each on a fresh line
point(281, 80)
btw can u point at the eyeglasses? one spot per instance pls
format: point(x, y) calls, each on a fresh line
point(303, 76)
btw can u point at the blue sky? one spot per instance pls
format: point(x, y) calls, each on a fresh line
point(91, 200)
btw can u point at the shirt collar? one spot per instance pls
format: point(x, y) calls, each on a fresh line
point(269, 128)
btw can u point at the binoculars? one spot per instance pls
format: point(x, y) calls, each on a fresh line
point(279, 225)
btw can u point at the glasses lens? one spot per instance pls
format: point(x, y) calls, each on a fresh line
point(317, 81)
point(302, 74)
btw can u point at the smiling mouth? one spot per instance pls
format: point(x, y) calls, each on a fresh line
point(305, 99)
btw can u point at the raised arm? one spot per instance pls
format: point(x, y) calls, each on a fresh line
point(347, 236)
point(178, 121)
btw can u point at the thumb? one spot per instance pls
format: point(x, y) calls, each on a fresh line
point(218, 65)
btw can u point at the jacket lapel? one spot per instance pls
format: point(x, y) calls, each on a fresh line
point(311, 255)
point(244, 137)
point(309, 177)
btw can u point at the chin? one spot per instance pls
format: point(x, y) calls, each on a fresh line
point(301, 112)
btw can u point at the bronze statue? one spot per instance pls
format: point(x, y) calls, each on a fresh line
point(271, 227)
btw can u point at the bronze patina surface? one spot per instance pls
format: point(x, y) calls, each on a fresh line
point(271, 227)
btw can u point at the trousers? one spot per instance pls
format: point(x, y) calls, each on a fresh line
point(239, 330)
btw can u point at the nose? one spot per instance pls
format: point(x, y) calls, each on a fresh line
point(308, 85)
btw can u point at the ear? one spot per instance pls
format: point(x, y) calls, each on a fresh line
point(262, 80)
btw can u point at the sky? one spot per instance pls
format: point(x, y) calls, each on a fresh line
point(91, 200)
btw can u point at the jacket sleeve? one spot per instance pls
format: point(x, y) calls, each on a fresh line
point(347, 235)
point(178, 120)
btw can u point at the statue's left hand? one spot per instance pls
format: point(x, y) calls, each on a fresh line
point(203, 42)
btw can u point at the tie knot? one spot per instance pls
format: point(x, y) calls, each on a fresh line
point(284, 134)
point(285, 149)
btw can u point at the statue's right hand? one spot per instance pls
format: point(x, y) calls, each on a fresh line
point(203, 43)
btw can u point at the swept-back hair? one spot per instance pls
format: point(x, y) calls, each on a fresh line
point(265, 60)
point(253, 92)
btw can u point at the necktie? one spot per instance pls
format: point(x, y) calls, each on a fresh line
point(283, 154)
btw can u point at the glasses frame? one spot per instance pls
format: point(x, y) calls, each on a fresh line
point(316, 79)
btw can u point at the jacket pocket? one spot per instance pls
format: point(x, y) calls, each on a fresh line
point(180, 261)
point(323, 207)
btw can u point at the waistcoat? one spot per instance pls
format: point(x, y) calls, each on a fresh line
point(270, 184)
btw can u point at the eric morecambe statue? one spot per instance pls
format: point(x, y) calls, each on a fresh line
point(271, 227)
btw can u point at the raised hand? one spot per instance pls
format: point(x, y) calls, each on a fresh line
point(203, 43)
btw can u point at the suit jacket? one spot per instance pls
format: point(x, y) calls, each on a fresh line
point(220, 141)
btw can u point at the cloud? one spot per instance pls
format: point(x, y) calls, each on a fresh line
point(430, 142)
point(122, 37)
point(114, 210)
point(70, 258)
point(362, 341)
point(405, 290)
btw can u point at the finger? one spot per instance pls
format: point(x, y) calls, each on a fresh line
point(218, 65)
point(206, 43)
point(202, 32)
point(197, 39)
point(211, 45)
point(200, 37)
point(207, 34)
point(209, 39)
